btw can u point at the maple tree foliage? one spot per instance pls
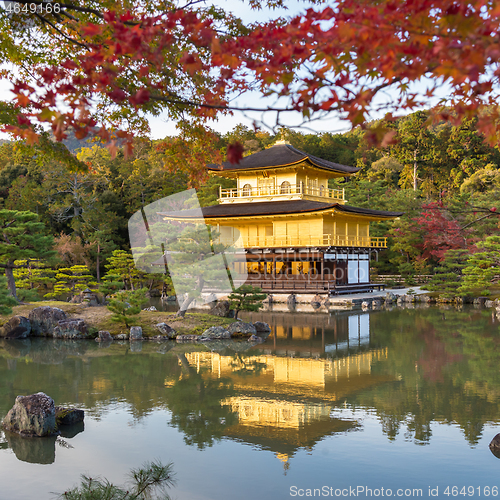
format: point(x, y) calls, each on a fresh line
point(111, 64)
point(440, 233)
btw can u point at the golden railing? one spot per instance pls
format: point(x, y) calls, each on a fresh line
point(290, 189)
point(306, 241)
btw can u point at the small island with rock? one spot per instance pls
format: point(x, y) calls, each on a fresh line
point(37, 415)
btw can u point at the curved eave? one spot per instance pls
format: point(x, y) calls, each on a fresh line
point(234, 173)
point(298, 208)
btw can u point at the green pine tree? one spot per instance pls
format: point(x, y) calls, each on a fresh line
point(31, 277)
point(122, 264)
point(448, 276)
point(6, 299)
point(482, 267)
point(126, 306)
point(110, 284)
point(71, 280)
point(246, 298)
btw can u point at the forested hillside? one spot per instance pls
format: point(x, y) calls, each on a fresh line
point(444, 177)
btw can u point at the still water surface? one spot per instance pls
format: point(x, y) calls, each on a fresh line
point(346, 402)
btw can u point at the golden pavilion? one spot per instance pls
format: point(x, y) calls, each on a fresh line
point(298, 234)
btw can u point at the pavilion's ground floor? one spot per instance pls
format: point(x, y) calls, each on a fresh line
point(307, 269)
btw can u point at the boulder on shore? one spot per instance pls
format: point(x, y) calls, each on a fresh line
point(18, 327)
point(221, 308)
point(215, 332)
point(166, 330)
point(262, 327)
point(135, 333)
point(104, 336)
point(32, 416)
point(239, 328)
point(44, 319)
point(71, 329)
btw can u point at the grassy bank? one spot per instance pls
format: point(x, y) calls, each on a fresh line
point(99, 318)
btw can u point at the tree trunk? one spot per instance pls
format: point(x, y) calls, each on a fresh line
point(11, 282)
point(415, 170)
point(97, 263)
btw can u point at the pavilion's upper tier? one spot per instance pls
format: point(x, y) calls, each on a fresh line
point(281, 173)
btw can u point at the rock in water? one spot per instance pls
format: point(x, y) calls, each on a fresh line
point(44, 319)
point(495, 446)
point(18, 327)
point(32, 416)
point(69, 416)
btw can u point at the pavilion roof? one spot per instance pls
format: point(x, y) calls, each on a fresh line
point(226, 210)
point(281, 155)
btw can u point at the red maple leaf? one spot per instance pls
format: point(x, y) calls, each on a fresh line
point(235, 152)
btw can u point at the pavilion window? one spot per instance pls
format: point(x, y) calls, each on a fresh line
point(286, 188)
point(266, 185)
point(247, 190)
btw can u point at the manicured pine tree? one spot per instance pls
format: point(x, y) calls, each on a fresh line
point(448, 276)
point(32, 276)
point(482, 267)
point(246, 298)
point(71, 280)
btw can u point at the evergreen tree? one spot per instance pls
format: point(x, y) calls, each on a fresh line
point(121, 264)
point(71, 280)
point(22, 237)
point(126, 306)
point(449, 275)
point(149, 482)
point(246, 298)
point(482, 267)
point(6, 300)
point(31, 277)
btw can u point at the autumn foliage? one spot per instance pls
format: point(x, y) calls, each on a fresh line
point(120, 65)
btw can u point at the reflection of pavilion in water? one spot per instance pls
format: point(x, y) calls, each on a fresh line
point(315, 334)
point(284, 403)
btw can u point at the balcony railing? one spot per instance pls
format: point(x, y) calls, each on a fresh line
point(290, 189)
point(306, 241)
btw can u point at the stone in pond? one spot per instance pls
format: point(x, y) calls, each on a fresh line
point(104, 336)
point(32, 416)
point(495, 446)
point(69, 416)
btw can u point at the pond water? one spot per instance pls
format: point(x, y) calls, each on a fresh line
point(365, 404)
